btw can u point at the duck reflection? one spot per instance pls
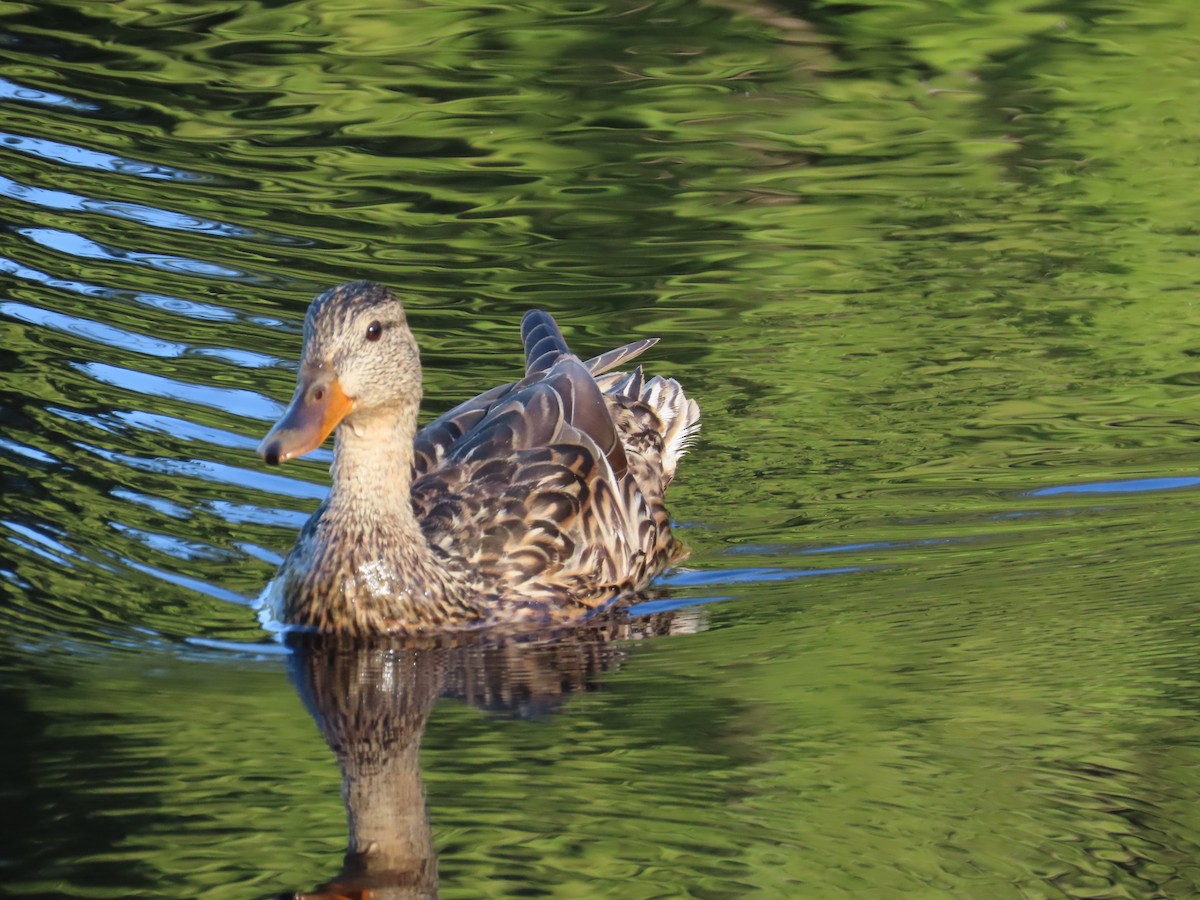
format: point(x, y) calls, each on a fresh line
point(371, 701)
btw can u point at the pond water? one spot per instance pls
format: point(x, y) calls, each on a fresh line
point(931, 270)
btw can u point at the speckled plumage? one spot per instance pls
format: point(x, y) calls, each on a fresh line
point(536, 501)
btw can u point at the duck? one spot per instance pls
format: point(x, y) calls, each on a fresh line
point(538, 501)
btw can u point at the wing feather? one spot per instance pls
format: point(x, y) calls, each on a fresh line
point(545, 347)
point(552, 486)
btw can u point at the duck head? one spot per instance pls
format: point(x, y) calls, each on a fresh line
point(359, 362)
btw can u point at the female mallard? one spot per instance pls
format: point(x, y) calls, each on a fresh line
point(536, 501)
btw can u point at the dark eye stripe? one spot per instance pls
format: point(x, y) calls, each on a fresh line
point(374, 330)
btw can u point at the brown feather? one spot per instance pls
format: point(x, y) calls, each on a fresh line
point(537, 500)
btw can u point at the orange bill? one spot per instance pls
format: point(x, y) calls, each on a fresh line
point(317, 407)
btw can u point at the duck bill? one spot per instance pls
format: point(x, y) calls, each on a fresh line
point(317, 407)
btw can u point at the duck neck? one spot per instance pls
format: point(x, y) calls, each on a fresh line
point(372, 570)
point(396, 581)
point(372, 470)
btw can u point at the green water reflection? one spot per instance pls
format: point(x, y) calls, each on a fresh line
point(929, 268)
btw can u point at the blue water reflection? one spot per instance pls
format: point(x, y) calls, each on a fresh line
point(10, 90)
point(1129, 486)
point(94, 159)
point(85, 248)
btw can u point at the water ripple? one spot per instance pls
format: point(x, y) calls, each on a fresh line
point(93, 331)
point(28, 452)
point(198, 585)
point(931, 279)
point(210, 471)
point(39, 537)
point(82, 157)
point(124, 339)
point(76, 245)
point(175, 305)
point(11, 90)
point(135, 212)
point(238, 400)
point(245, 514)
point(1128, 486)
point(160, 505)
point(168, 544)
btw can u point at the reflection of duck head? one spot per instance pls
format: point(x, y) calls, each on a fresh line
point(371, 702)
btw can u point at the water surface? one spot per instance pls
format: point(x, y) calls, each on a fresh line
point(930, 270)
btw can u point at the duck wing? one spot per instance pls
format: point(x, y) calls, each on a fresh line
point(545, 348)
point(531, 485)
point(564, 405)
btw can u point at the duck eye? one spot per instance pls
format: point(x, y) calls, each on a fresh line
point(374, 330)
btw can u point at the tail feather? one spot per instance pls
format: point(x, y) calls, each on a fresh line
point(627, 384)
point(544, 343)
point(680, 417)
point(613, 358)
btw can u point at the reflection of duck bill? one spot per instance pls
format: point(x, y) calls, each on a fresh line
point(367, 881)
point(371, 704)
